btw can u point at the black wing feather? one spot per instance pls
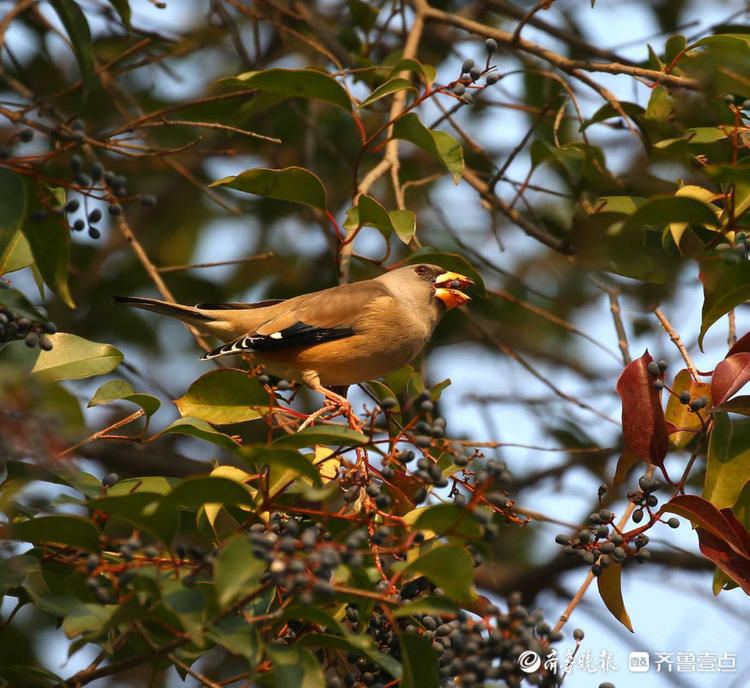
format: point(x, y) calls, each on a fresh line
point(299, 334)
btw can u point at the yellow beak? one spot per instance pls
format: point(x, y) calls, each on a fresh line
point(450, 294)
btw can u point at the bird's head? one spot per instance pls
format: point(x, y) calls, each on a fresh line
point(444, 284)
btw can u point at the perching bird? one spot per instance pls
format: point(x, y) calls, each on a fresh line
point(334, 337)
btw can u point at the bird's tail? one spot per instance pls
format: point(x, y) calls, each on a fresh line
point(188, 314)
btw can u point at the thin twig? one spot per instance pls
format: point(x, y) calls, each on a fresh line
point(678, 343)
point(249, 259)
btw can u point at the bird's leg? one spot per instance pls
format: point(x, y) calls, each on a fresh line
point(334, 401)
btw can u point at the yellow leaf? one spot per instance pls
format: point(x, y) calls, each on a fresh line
point(611, 593)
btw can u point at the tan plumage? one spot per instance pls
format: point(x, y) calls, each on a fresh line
point(334, 337)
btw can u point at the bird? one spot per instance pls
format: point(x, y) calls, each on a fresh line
point(331, 338)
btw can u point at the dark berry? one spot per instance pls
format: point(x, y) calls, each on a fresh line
point(79, 225)
point(95, 215)
point(115, 209)
point(492, 78)
point(475, 73)
point(148, 201)
point(658, 385)
point(31, 340)
point(685, 397)
point(388, 403)
point(26, 135)
point(45, 343)
point(637, 515)
point(663, 365)
point(72, 206)
point(653, 369)
point(76, 163)
point(459, 89)
point(673, 523)
point(578, 634)
point(490, 45)
point(94, 233)
point(110, 479)
point(467, 65)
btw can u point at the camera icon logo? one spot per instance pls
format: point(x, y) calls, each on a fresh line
point(638, 662)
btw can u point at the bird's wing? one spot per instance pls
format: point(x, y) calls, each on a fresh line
point(238, 306)
point(310, 319)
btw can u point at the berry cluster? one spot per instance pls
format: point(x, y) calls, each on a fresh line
point(469, 650)
point(600, 543)
point(471, 73)
point(33, 333)
point(656, 370)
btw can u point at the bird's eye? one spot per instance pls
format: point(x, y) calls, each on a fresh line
point(422, 270)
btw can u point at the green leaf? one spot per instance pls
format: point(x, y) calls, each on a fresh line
point(443, 146)
point(115, 390)
point(725, 286)
point(122, 7)
point(237, 571)
point(426, 605)
point(193, 493)
point(333, 435)
point(295, 666)
point(285, 465)
point(570, 159)
point(223, 397)
point(75, 23)
point(445, 518)
point(606, 112)
point(294, 184)
point(66, 530)
point(75, 358)
point(17, 254)
point(420, 668)
point(385, 89)
point(188, 605)
point(370, 212)
point(625, 205)
point(297, 83)
point(728, 462)
point(428, 72)
point(674, 46)
point(610, 590)
point(659, 212)
point(660, 105)
point(17, 302)
point(197, 427)
point(314, 615)
point(695, 135)
point(404, 223)
point(50, 243)
point(449, 261)
point(12, 206)
point(88, 619)
point(357, 644)
point(236, 636)
point(448, 566)
point(140, 509)
point(381, 391)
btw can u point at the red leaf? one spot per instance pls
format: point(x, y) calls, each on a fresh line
point(742, 345)
point(643, 426)
point(706, 516)
point(730, 375)
point(736, 525)
point(720, 553)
